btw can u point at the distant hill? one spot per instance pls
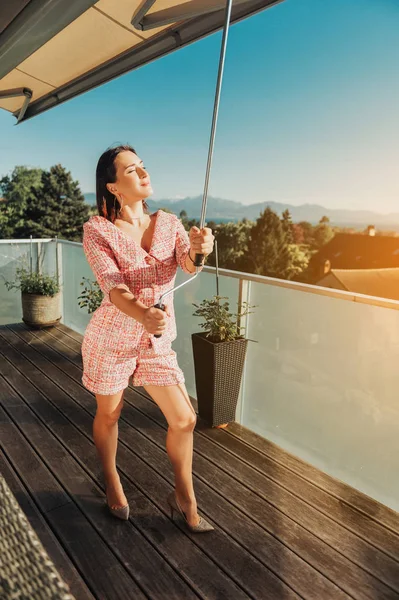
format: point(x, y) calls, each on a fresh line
point(219, 208)
point(90, 198)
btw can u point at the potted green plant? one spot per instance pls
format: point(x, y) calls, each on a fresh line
point(219, 356)
point(40, 296)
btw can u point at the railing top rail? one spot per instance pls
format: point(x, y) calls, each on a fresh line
point(292, 285)
point(308, 288)
point(28, 241)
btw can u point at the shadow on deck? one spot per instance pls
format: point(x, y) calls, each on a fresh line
point(283, 528)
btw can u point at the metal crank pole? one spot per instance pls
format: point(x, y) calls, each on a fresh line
point(199, 258)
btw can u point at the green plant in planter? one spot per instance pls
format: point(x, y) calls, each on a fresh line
point(34, 283)
point(219, 357)
point(220, 324)
point(39, 295)
point(91, 296)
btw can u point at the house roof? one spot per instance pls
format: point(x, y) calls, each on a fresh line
point(358, 251)
point(53, 50)
point(382, 283)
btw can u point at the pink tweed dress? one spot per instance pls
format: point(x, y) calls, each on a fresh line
point(116, 346)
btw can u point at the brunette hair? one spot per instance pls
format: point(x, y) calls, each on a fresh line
point(108, 205)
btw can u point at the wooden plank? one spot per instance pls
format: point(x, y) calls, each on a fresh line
point(383, 538)
point(321, 555)
point(90, 552)
point(370, 507)
point(103, 574)
point(50, 543)
point(41, 482)
point(185, 556)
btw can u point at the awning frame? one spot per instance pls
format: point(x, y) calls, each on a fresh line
point(162, 44)
point(15, 93)
point(195, 8)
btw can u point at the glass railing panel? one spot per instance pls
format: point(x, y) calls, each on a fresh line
point(12, 256)
point(48, 257)
point(204, 286)
point(322, 382)
point(74, 268)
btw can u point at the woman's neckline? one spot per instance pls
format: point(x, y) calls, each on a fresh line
point(128, 237)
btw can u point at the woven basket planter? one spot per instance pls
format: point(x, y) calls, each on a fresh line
point(218, 373)
point(40, 311)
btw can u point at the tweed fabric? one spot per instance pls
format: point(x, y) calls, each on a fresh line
point(115, 345)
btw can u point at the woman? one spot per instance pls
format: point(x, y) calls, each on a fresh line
point(134, 257)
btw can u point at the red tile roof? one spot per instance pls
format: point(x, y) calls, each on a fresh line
point(382, 283)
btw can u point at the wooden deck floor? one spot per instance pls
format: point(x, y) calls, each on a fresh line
point(283, 529)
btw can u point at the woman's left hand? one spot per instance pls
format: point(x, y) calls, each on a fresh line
point(201, 240)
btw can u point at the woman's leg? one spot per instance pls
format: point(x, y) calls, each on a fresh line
point(105, 434)
point(175, 404)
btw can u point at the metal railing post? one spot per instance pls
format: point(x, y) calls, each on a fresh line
point(58, 254)
point(244, 295)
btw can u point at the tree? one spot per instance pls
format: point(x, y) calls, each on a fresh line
point(188, 223)
point(322, 233)
point(305, 231)
point(324, 220)
point(232, 243)
point(299, 261)
point(288, 226)
point(268, 248)
point(57, 207)
point(298, 234)
point(16, 190)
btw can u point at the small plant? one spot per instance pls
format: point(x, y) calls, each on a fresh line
point(91, 296)
point(34, 283)
point(220, 324)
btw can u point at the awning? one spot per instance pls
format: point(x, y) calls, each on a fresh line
point(54, 50)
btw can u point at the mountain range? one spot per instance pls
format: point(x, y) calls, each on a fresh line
point(229, 210)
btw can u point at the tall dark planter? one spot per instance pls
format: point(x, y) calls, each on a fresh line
point(218, 373)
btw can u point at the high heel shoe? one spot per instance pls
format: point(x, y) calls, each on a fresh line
point(122, 512)
point(202, 527)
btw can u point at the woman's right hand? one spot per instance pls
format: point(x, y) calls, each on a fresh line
point(154, 320)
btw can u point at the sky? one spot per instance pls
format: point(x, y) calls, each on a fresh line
point(309, 113)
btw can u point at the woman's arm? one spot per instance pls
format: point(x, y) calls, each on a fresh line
point(153, 319)
point(182, 248)
point(127, 303)
point(110, 279)
point(108, 275)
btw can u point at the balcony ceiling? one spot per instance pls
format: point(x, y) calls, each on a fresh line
point(54, 50)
